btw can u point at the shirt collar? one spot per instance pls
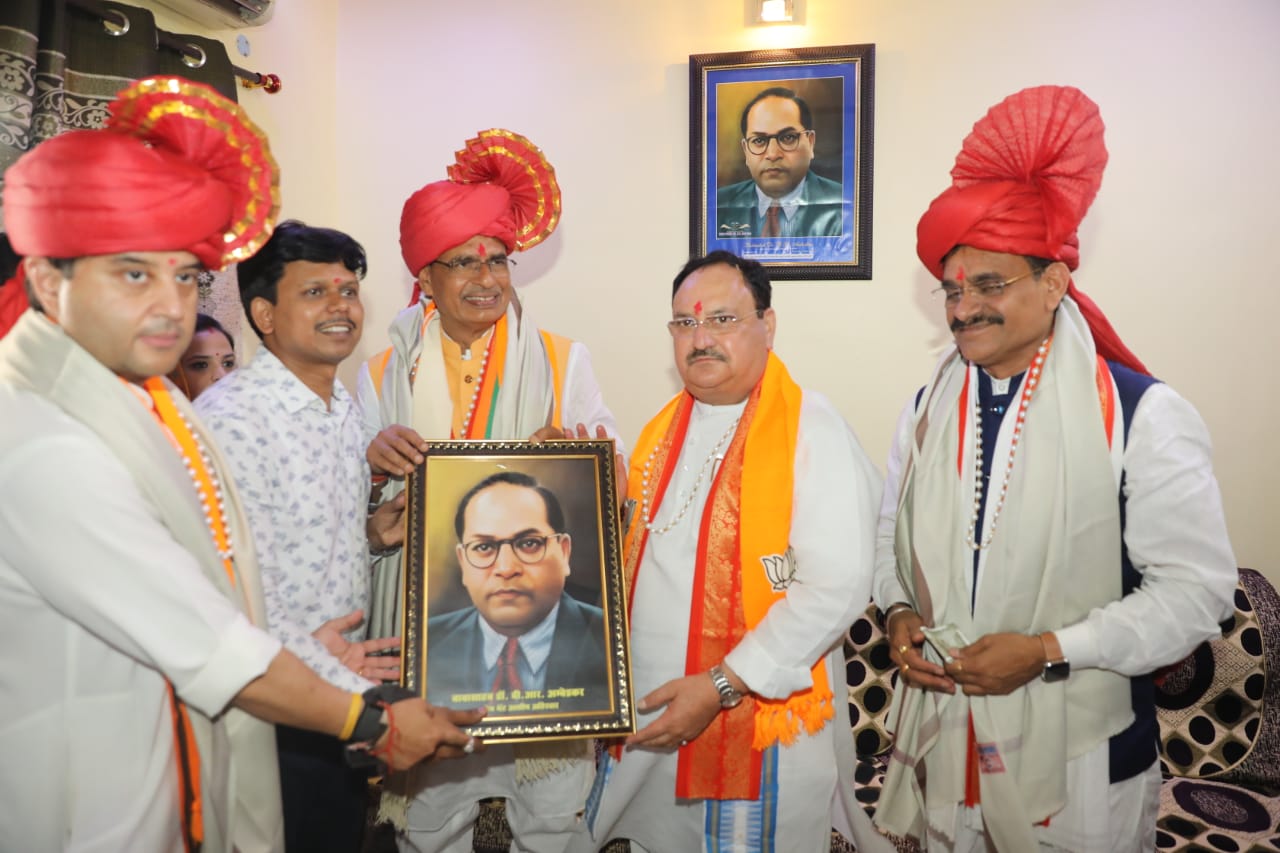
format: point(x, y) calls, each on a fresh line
point(291, 391)
point(789, 202)
point(535, 644)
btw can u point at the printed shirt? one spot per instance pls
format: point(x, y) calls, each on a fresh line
point(304, 482)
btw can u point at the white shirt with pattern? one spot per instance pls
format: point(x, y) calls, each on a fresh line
point(303, 479)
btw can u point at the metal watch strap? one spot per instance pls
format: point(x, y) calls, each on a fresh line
point(729, 698)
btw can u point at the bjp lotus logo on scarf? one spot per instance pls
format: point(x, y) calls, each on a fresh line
point(780, 569)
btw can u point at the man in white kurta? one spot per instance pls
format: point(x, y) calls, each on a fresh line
point(466, 361)
point(137, 676)
point(822, 579)
point(1051, 501)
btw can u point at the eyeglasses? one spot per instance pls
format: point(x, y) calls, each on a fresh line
point(982, 289)
point(716, 324)
point(528, 548)
point(469, 265)
point(788, 140)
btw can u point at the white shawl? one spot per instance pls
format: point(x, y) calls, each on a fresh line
point(1054, 557)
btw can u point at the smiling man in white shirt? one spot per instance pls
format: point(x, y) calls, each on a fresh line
point(294, 439)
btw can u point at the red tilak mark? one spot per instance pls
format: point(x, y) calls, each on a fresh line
point(697, 307)
point(337, 279)
point(960, 274)
point(481, 251)
point(173, 262)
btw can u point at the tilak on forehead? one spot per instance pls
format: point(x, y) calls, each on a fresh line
point(697, 307)
point(960, 274)
point(481, 250)
point(1021, 184)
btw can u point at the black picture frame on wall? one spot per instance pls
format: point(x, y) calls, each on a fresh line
point(826, 216)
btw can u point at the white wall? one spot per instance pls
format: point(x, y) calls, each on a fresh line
point(379, 94)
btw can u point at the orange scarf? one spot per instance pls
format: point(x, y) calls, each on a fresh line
point(746, 522)
point(188, 754)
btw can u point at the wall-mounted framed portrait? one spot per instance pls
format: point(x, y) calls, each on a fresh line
point(780, 158)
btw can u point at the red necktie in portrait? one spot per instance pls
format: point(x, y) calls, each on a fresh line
point(772, 227)
point(508, 676)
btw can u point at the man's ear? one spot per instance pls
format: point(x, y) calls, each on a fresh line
point(1057, 278)
point(264, 315)
point(462, 556)
point(566, 542)
point(44, 280)
point(770, 325)
point(424, 281)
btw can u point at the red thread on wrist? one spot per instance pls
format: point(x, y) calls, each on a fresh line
point(386, 750)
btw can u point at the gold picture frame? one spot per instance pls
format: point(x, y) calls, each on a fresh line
point(545, 519)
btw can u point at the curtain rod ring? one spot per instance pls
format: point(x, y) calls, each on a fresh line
point(191, 61)
point(113, 29)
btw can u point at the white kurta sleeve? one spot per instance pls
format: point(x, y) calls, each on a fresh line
point(885, 586)
point(74, 524)
point(1176, 535)
point(837, 490)
point(583, 403)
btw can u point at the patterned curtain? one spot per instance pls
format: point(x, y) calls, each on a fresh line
point(61, 63)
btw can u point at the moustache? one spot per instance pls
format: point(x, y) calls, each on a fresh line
point(161, 326)
point(994, 320)
point(703, 353)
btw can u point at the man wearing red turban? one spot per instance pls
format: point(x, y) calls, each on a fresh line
point(1001, 523)
point(467, 361)
point(128, 585)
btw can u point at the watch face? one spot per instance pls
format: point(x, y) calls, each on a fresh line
point(1056, 671)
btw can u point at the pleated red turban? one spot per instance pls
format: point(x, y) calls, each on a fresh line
point(1023, 181)
point(178, 167)
point(500, 186)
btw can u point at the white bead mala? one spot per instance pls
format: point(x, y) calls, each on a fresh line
point(475, 395)
point(1033, 379)
point(646, 484)
point(229, 552)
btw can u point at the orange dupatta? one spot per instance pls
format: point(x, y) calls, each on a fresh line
point(747, 519)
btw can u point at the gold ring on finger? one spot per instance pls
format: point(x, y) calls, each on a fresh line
point(905, 667)
point(902, 649)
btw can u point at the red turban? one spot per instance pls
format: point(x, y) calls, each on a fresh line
point(177, 167)
point(1023, 181)
point(500, 186)
point(13, 301)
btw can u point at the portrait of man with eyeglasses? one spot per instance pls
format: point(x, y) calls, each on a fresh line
point(523, 632)
point(783, 198)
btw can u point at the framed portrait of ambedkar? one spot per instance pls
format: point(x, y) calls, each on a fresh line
point(514, 594)
point(780, 158)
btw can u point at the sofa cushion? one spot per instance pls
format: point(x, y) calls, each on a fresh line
point(1219, 718)
point(1202, 815)
point(871, 678)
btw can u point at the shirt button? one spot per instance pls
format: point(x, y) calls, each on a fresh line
point(467, 379)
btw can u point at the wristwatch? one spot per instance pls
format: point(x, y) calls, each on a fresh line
point(369, 726)
point(1056, 666)
point(729, 698)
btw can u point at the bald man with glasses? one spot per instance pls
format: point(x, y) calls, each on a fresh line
point(783, 198)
